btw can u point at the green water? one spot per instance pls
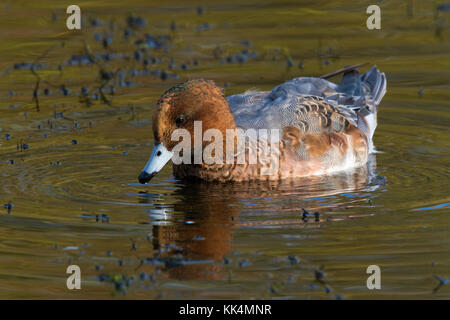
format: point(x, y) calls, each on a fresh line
point(219, 241)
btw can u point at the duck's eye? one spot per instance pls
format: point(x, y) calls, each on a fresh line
point(179, 120)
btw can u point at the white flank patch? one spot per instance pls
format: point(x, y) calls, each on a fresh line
point(349, 161)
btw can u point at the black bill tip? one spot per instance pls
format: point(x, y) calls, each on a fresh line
point(145, 177)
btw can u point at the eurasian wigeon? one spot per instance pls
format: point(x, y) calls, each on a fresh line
point(324, 127)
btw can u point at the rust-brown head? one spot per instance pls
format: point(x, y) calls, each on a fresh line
point(178, 108)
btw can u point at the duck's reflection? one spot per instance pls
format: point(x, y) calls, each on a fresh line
point(210, 214)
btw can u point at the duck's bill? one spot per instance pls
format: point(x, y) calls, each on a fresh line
point(160, 156)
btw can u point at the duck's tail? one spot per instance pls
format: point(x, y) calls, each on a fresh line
point(368, 88)
point(375, 83)
point(371, 84)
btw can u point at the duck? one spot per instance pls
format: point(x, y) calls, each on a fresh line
point(321, 127)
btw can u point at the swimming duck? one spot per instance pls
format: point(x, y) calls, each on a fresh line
point(324, 127)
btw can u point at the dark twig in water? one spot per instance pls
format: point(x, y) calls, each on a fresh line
point(8, 207)
point(345, 69)
point(319, 276)
point(105, 76)
point(306, 214)
point(38, 81)
point(22, 146)
point(442, 282)
point(84, 97)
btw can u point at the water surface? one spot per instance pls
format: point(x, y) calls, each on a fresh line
point(78, 202)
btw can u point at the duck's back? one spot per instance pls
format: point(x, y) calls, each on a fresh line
point(314, 104)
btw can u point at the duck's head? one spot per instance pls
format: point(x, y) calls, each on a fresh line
point(178, 108)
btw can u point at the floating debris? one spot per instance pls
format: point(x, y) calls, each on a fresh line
point(313, 286)
point(440, 25)
point(317, 216)
point(204, 27)
point(78, 60)
point(103, 277)
point(293, 259)
point(120, 282)
point(84, 91)
point(102, 217)
point(443, 7)
point(22, 146)
point(27, 65)
point(172, 262)
point(244, 263)
point(319, 275)
point(71, 248)
point(96, 23)
point(306, 214)
point(64, 90)
point(240, 57)
point(87, 216)
point(442, 282)
point(138, 55)
point(290, 63)
point(8, 207)
point(136, 22)
point(143, 276)
point(127, 33)
point(98, 37)
point(107, 40)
